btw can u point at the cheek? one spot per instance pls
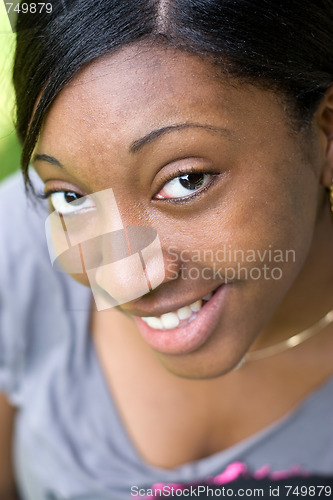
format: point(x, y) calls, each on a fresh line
point(274, 206)
point(248, 217)
point(65, 257)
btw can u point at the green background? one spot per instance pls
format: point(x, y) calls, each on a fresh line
point(9, 146)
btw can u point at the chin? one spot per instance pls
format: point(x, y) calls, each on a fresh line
point(196, 366)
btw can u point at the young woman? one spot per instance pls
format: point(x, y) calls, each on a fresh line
point(209, 122)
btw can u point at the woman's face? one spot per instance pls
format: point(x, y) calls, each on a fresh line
point(216, 169)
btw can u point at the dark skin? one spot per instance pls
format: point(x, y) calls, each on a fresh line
point(269, 189)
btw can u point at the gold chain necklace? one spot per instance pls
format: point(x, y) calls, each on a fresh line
point(293, 341)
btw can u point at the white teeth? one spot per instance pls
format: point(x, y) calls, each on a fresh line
point(170, 320)
point(196, 306)
point(184, 312)
point(153, 322)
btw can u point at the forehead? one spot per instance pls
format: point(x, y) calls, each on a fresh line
point(139, 78)
point(127, 94)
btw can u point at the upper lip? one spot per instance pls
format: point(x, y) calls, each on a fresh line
point(157, 311)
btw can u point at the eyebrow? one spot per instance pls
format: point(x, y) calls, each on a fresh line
point(137, 145)
point(155, 134)
point(48, 159)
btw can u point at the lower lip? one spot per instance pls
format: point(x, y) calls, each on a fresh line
point(189, 337)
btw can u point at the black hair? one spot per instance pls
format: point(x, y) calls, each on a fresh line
point(284, 45)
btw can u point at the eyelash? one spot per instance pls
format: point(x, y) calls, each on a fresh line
point(188, 198)
point(46, 195)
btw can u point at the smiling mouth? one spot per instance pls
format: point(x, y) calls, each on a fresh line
point(184, 330)
point(178, 318)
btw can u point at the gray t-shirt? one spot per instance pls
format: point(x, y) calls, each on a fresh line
point(70, 442)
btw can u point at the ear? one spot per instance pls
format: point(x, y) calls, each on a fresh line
point(324, 120)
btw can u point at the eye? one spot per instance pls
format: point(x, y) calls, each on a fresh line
point(69, 202)
point(184, 186)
